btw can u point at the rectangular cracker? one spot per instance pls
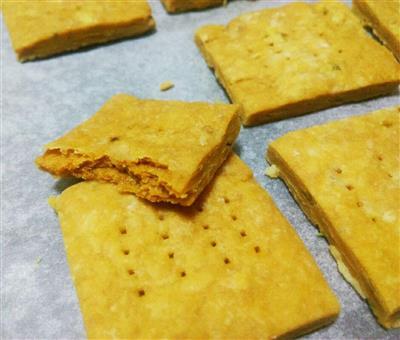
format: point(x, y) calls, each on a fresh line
point(295, 59)
point(175, 6)
point(383, 17)
point(229, 267)
point(160, 150)
point(345, 176)
point(41, 28)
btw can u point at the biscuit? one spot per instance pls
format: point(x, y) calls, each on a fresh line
point(295, 59)
point(160, 150)
point(228, 267)
point(175, 6)
point(384, 19)
point(40, 29)
point(345, 176)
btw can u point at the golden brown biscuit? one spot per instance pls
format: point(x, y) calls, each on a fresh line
point(345, 175)
point(40, 28)
point(174, 6)
point(295, 59)
point(159, 150)
point(384, 18)
point(229, 267)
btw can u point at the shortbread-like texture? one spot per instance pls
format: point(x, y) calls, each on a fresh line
point(296, 59)
point(345, 175)
point(174, 6)
point(384, 19)
point(159, 150)
point(41, 28)
point(229, 267)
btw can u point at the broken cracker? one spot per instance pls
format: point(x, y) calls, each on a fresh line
point(229, 267)
point(295, 59)
point(43, 28)
point(345, 175)
point(175, 6)
point(159, 150)
point(383, 17)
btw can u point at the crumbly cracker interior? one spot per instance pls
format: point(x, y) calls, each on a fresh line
point(159, 150)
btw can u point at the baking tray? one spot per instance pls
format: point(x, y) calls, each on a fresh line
point(43, 99)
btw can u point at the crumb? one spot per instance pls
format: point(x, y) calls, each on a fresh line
point(166, 85)
point(38, 260)
point(272, 171)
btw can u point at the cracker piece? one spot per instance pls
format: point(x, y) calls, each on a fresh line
point(166, 85)
point(159, 150)
point(40, 28)
point(229, 267)
point(345, 176)
point(295, 59)
point(383, 17)
point(175, 6)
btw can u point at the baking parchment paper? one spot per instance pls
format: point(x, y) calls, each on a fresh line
point(41, 100)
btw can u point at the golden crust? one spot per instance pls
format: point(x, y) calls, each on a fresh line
point(159, 150)
point(175, 6)
point(40, 28)
point(229, 267)
point(296, 59)
point(345, 176)
point(384, 18)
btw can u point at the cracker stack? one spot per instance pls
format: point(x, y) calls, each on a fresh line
point(221, 262)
